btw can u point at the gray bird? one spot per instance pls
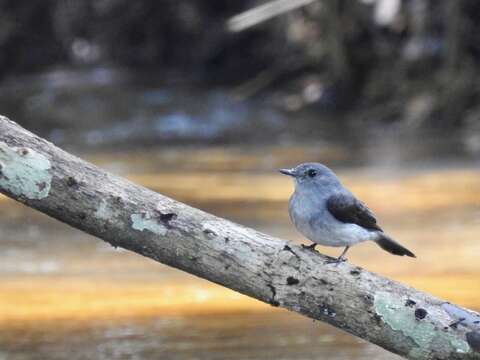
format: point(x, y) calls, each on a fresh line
point(323, 210)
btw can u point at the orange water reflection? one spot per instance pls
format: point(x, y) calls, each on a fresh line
point(51, 273)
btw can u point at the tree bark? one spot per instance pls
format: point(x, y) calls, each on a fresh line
point(396, 317)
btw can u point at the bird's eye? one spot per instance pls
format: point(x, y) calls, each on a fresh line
point(312, 173)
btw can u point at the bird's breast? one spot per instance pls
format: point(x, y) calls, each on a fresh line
point(316, 223)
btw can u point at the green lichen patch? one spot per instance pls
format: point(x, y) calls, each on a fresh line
point(402, 318)
point(24, 172)
point(104, 212)
point(143, 222)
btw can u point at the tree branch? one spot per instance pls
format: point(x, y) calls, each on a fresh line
point(396, 317)
point(264, 12)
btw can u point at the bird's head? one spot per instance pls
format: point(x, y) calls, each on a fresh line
point(311, 176)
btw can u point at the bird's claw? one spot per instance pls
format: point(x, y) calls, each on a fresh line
point(309, 247)
point(336, 261)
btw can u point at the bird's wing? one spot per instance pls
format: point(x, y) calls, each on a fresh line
point(346, 208)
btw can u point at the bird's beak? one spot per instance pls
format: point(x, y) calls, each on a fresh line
point(289, 172)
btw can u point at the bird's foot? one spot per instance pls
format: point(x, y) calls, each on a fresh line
point(336, 261)
point(309, 247)
point(340, 259)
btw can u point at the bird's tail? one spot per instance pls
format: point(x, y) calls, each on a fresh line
point(392, 246)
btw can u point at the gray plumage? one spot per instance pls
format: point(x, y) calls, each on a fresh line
point(323, 210)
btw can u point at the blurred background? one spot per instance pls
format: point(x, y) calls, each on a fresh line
point(203, 101)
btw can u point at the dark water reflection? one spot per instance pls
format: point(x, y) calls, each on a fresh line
point(87, 109)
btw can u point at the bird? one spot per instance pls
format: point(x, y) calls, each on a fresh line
point(328, 214)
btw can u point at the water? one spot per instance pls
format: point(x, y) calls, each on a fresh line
point(66, 295)
point(226, 336)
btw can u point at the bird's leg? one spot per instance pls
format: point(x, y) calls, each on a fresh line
point(341, 258)
point(309, 247)
point(342, 255)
